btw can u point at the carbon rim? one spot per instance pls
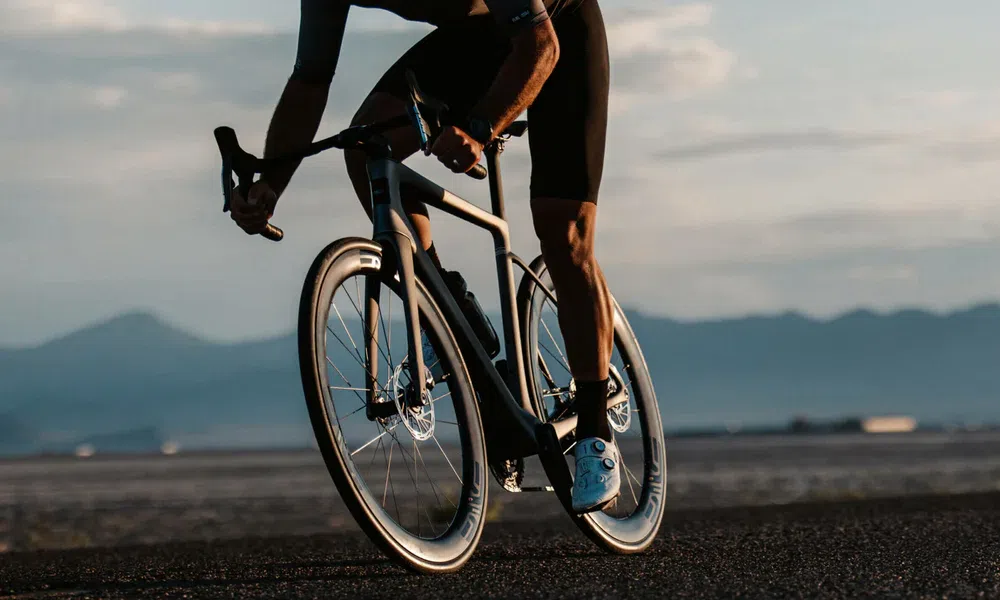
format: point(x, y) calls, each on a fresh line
point(425, 496)
point(630, 522)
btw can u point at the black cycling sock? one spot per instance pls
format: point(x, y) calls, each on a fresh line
point(592, 410)
point(432, 252)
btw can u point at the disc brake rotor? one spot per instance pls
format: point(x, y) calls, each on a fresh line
point(417, 417)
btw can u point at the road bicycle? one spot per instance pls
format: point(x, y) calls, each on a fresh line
point(408, 450)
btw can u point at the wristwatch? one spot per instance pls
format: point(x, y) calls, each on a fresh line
point(479, 129)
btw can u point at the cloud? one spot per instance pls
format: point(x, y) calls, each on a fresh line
point(649, 32)
point(33, 17)
point(28, 16)
point(654, 54)
point(959, 145)
point(738, 144)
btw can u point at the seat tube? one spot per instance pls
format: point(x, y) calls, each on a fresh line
point(493, 153)
point(516, 380)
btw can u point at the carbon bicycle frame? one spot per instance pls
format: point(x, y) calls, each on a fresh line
point(393, 230)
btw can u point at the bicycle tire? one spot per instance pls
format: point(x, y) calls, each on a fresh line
point(449, 551)
point(638, 530)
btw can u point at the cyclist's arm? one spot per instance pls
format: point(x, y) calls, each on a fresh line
point(300, 109)
point(534, 53)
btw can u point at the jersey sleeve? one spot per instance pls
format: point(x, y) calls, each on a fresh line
point(515, 15)
point(321, 34)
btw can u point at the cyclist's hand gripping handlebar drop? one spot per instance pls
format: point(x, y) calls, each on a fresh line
point(252, 213)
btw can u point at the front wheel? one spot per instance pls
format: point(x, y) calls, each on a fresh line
point(408, 463)
point(630, 523)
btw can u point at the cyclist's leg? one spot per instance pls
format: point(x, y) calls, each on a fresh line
point(567, 138)
point(447, 71)
point(379, 106)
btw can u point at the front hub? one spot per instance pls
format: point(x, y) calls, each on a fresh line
point(415, 408)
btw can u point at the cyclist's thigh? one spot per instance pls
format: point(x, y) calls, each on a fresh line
point(569, 119)
point(454, 63)
point(377, 107)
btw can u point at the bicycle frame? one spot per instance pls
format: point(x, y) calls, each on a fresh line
point(394, 231)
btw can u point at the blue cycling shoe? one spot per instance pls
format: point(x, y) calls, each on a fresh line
point(598, 480)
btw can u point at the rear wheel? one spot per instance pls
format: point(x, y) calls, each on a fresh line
point(411, 471)
point(630, 523)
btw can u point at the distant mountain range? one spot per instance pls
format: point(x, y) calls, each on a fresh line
point(134, 382)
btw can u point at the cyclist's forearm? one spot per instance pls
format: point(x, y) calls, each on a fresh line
point(293, 126)
point(531, 61)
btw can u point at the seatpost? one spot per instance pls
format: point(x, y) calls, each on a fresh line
point(493, 152)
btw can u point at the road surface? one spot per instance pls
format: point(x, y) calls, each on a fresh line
point(920, 546)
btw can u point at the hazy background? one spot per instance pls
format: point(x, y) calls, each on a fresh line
point(788, 161)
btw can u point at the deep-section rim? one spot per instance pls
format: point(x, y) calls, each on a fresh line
point(605, 530)
point(411, 552)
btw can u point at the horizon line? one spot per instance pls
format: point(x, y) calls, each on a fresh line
point(788, 312)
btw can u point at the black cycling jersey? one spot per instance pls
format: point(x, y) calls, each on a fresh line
point(322, 24)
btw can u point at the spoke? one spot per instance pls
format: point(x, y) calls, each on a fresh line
point(434, 437)
point(349, 415)
point(426, 471)
point(570, 448)
point(352, 389)
point(346, 330)
point(374, 456)
point(369, 442)
point(386, 334)
point(388, 359)
point(402, 450)
point(444, 421)
point(358, 304)
point(356, 359)
point(345, 379)
point(444, 395)
point(357, 289)
point(433, 487)
point(631, 489)
point(549, 380)
point(552, 354)
point(629, 471)
point(388, 468)
point(556, 344)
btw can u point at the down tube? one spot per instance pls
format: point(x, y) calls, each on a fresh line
point(448, 202)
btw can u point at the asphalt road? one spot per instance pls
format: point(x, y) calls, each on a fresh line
point(915, 547)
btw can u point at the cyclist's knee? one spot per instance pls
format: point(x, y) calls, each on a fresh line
point(565, 229)
point(380, 106)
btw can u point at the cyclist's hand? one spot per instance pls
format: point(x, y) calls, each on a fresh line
point(253, 212)
point(456, 150)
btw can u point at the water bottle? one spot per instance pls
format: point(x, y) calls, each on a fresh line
point(473, 312)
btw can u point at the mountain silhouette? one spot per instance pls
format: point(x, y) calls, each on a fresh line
point(135, 373)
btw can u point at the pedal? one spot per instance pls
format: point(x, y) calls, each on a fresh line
point(538, 488)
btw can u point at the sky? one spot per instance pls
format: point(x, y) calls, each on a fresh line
point(762, 157)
